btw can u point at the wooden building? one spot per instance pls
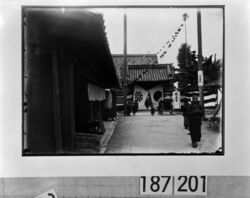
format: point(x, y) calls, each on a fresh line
point(145, 76)
point(150, 82)
point(132, 59)
point(65, 54)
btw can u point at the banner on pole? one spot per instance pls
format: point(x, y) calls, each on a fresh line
point(200, 78)
point(176, 96)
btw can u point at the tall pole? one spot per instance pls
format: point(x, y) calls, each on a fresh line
point(200, 68)
point(185, 31)
point(125, 65)
point(185, 16)
point(186, 43)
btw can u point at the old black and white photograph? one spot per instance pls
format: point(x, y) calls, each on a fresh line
point(122, 80)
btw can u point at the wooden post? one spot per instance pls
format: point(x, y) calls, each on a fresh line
point(200, 68)
point(56, 100)
point(185, 16)
point(125, 65)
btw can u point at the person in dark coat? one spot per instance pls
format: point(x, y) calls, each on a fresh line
point(171, 107)
point(129, 107)
point(185, 113)
point(135, 107)
point(160, 106)
point(195, 113)
point(152, 110)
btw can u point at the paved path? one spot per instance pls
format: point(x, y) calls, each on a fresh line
point(144, 133)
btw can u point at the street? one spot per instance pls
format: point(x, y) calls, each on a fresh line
point(144, 133)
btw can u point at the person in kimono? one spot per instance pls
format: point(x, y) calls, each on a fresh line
point(185, 113)
point(195, 114)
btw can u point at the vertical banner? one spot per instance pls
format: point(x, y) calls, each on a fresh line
point(200, 78)
point(176, 100)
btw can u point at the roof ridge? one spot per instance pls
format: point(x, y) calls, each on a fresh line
point(150, 65)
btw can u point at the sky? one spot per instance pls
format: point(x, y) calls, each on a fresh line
point(149, 29)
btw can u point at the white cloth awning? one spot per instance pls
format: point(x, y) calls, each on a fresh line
point(95, 93)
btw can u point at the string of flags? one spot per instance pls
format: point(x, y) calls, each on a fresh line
point(164, 49)
point(168, 44)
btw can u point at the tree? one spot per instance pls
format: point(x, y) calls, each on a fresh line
point(188, 67)
point(211, 70)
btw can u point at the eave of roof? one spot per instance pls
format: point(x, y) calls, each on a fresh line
point(79, 30)
point(150, 73)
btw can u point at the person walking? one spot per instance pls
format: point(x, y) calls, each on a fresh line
point(195, 113)
point(152, 110)
point(185, 113)
point(135, 107)
point(171, 107)
point(160, 107)
point(129, 107)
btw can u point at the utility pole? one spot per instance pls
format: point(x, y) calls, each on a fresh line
point(185, 17)
point(125, 65)
point(200, 68)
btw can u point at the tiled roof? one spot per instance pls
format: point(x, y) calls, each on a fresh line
point(136, 59)
point(143, 73)
point(133, 59)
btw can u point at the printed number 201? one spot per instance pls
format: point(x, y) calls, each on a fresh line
point(156, 185)
point(190, 185)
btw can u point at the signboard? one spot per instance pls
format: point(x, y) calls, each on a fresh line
point(176, 100)
point(200, 78)
point(49, 194)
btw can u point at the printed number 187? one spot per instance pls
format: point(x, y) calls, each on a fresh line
point(156, 185)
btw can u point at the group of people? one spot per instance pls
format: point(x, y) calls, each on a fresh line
point(161, 107)
point(132, 107)
point(193, 114)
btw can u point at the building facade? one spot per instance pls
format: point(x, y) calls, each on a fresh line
point(150, 82)
point(145, 78)
point(65, 53)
